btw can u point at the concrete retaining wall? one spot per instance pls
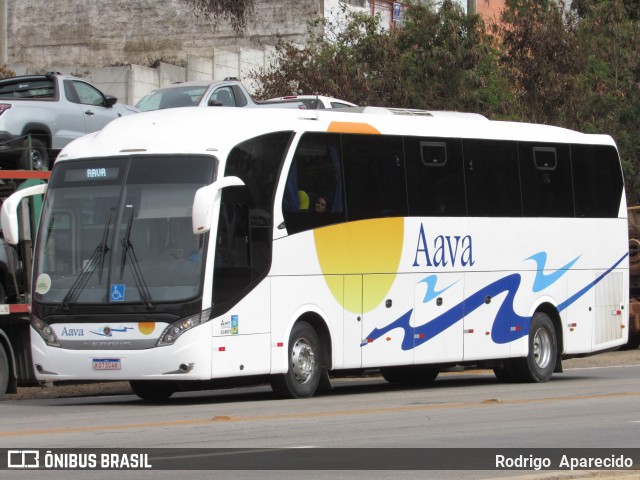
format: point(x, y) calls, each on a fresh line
point(123, 32)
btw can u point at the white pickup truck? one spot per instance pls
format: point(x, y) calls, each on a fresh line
point(229, 92)
point(40, 114)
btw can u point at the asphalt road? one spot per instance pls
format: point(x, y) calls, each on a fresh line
point(593, 404)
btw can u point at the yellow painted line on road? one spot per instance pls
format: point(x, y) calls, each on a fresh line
point(306, 415)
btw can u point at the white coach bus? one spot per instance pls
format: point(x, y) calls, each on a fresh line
point(181, 248)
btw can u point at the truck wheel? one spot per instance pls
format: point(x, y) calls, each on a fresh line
point(152, 391)
point(4, 371)
point(305, 360)
point(540, 362)
point(39, 155)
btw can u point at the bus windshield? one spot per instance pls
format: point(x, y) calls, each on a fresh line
point(119, 230)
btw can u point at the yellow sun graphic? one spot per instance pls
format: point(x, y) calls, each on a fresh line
point(364, 247)
point(146, 328)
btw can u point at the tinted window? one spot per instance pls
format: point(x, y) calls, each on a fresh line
point(435, 177)
point(545, 172)
point(314, 193)
point(597, 181)
point(26, 88)
point(243, 244)
point(374, 176)
point(492, 180)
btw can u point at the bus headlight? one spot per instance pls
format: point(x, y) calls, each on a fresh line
point(173, 331)
point(45, 331)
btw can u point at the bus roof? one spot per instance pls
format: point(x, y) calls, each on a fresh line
point(218, 129)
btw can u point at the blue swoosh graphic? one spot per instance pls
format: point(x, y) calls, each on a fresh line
point(500, 332)
point(543, 280)
point(506, 317)
point(580, 293)
point(432, 293)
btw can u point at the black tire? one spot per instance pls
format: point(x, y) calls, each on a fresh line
point(539, 364)
point(152, 391)
point(410, 375)
point(305, 364)
point(4, 371)
point(39, 155)
point(3, 295)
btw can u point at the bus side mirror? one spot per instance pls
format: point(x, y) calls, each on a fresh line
point(9, 212)
point(205, 200)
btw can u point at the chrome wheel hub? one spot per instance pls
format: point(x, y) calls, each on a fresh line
point(542, 348)
point(303, 360)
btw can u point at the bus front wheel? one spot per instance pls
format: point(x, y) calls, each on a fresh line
point(305, 360)
point(539, 364)
point(150, 390)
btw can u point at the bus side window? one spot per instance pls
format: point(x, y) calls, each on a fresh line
point(596, 165)
point(315, 177)
point(492, 178)
point(374, 176)
point(545, 173)
point(435, 177)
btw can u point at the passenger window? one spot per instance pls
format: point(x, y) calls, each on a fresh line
point(87, 95)
point(492, 180)
point(374, 176)
point(435, 177)
point(223, 96)
point(314, 194)
point(545, 172)
point(596, 165)
point(245, 227)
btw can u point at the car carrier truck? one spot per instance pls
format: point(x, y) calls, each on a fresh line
point(16, 367)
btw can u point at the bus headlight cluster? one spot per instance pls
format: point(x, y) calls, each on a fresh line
point(173, 331)
point(45, 331)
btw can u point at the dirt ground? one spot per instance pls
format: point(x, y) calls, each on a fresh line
point(620, 357)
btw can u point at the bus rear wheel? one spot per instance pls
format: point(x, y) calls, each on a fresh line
point(539, 364)
point(305, 364)
point(152, 391)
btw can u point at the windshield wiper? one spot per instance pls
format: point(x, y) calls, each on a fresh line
point(128, 252)
point(97, 258)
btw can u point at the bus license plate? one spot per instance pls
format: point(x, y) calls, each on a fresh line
point(106, 364)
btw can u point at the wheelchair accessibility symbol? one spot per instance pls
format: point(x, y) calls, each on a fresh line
point(117, 292)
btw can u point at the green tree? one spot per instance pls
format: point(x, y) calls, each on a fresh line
point(341, 60)
point(608, 88)
point(541, 57)
point(450, 62)
point(436, 60)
